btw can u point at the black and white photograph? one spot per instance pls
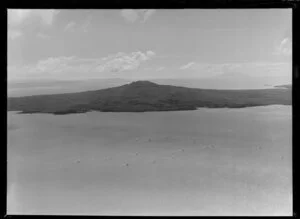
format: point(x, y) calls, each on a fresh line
point(149, 112)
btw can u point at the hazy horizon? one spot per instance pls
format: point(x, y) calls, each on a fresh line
point(37, 87)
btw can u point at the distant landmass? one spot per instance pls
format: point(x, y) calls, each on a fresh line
point(286, 86)
point(142, 96)
point(225, 81)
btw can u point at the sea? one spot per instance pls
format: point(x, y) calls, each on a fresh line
point(206, 162)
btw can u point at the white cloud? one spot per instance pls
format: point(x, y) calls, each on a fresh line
point(13, 34)
point(86, 24)
point(284, 48)
point(160, 68)
point(187, 65)
point(256, 69)
point(47, 16)
point(43, 36)
point(229, 29)
point(53, 64)
point(269, 69)
point(141, 15)
point(204, 69)
point(148, 14)
point(225, 68)
point(127, 65)
point(150, 53)
point(70, 26)
point(123, 62)
point(17, 16)
point(72, 67)
point(130, 15)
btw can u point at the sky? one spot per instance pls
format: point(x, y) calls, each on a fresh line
point(140, 44)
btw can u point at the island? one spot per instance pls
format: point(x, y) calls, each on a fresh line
point(143, 96)
point(285, 86)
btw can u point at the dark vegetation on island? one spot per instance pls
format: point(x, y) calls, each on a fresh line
point(142, 96)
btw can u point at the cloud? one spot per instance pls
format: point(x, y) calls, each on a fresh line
point(123, 61)
point(256, 69)
point(284, 48)
point(205, 69)
point(270, 69)
point(141, 15)
point(160, 68)
point(129, 15)
point(43, 36)
point(47, 16)
point(128, 65)
point(73, 67)
point(187, 65)
point(229, 29)
point(86, 24)
point(53, 64)
point(17, 17)
point(70, 26)
point(148, 14)
point(150, 53)
point(13, 34)
point(229, 68)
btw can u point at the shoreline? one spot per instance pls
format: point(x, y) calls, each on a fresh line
point(197, 108)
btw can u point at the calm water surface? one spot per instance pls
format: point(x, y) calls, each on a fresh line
point(203, 162)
